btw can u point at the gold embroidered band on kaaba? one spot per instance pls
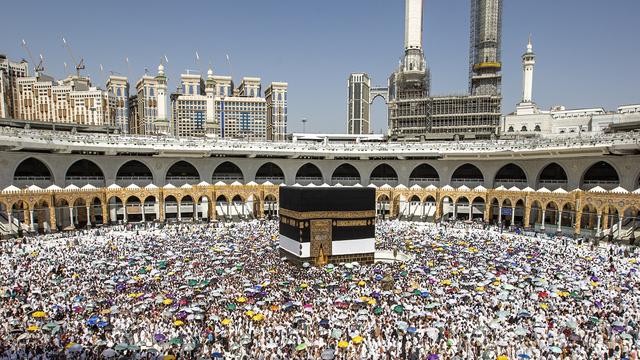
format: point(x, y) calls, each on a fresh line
point(303, 215)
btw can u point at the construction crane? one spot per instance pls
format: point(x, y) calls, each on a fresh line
point(38, 68)
point(79, 65)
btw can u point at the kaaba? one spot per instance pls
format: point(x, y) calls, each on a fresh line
point(323, 225)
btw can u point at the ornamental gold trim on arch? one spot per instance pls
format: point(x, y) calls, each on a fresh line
point(328, 214)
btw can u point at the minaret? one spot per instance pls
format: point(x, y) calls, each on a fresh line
point(528, 62)
point(413, 24)
point(162, 122)
point(414, 66)
point(210, 125)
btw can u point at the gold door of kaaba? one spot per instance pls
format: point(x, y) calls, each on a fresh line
point(321, 237)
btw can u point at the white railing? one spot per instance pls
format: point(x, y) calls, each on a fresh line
point(156, 144)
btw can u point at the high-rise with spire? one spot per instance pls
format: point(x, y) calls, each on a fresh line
point(484, 53)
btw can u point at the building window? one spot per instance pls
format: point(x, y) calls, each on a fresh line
point(510, 129)
point(537, 128)
point(524, 128)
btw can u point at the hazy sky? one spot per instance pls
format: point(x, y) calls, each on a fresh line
point(588, 51)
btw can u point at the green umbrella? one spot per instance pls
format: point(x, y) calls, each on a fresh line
point(301, 346)
point(403, 273)
point(231, 306)
point(192, 282)
point(121, 347)
point(398, 309)
point(219, 271)
point(417, 292)
point(377, 310)
point(176, 341)
point(142, 271)
point(162, 264)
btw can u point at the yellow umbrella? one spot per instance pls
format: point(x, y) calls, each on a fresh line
point(226, 322)
point(241, 299)
point(357, 340)
point(480, 289)
point(275, 307)
point(39, 314)
point(361, 283)
point(33, 328)
point(258, 317)
point(250, 313)
point(503, 357)
point(169, 357)
point(343, 344)
point(178, 323)
point(304, 285)
point(445, 282)
point(544, 306)
point(167, 301)
point(371, 302)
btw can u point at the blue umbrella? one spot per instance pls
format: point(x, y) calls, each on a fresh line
point(102, 324)
point(92, 321)
point(411, 330)
point(524, 356)
point(217, 355)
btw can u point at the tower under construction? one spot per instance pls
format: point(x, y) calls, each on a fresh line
point(415, 115)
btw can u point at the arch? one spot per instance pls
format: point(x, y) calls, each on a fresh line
point(171, 207)
point(424, 174)
point(134, 171)
point(478, 207)
point(151, 209)
point(32, 171)
point(383, 206)
point(237, 199)
point(384, 174)
point(415, 199)
point(309, 174)
point(222, 199)
point(115, 209)
point(510, 175)
point(346, 174)
point(270, 172)
point(41, 216)
point(568, 215)
point(270, 206)
point(227, 171)
point(601, 174)
point(84, 172)
point(182, 172)
point(134, 209)
point(187, 207)
point(467, 174)
point(552, 176)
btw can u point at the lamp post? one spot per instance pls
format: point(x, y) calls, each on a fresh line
point(304, 125)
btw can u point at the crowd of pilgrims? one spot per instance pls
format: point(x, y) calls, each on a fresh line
point(223, 290)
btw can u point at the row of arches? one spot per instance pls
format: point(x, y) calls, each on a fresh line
point(552, 176)
point(82, 213)
point(550, 217)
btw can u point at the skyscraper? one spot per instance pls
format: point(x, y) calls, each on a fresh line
point(358, 105)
